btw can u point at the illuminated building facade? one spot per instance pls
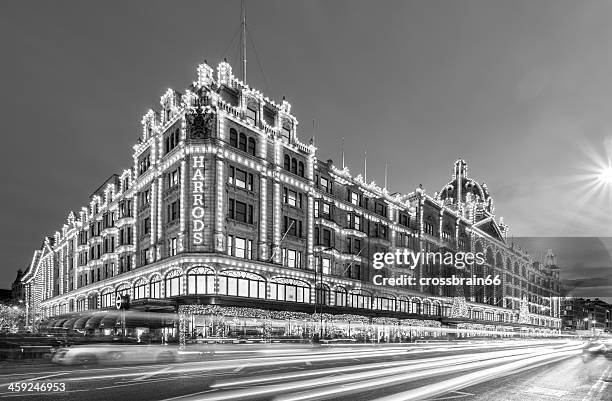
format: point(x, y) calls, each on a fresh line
point(225, 213)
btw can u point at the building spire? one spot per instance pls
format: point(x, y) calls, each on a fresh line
point(312, 139)
point(342, 149)
point(386, 174)
point(365, 165)
point(244, 51)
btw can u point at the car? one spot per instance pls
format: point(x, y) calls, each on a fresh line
point(117, 354)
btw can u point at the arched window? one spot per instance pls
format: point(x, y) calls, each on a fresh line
point(80, 304)
point(287, 164)
point(384, 303)
point(301, 169)
point(233, 138)
point(289, 290)
point(242, 144)
point(140, 289)
point(403, 305)
point(416, 306)
point(252, 146)
point(294, 166)
point(92, 301)
point(123, 289)
point(359, 300)
point(435, 309)
point(339, 296)
point(426, 308)
point(322, 295)
point(242, 284)
point(155, 287)
point(173, 283)
point(107, 300)
point(200, 281)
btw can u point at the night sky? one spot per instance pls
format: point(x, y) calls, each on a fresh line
point(521, 89)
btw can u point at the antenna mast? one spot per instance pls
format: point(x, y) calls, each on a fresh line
point(244, 51)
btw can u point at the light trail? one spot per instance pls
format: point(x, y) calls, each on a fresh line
point(369, 379)
point(472, 379)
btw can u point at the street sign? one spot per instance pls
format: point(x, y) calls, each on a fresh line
point(122, 301)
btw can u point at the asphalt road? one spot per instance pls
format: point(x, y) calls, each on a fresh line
point(525, 371)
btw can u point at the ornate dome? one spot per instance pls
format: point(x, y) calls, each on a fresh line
point(462, 189)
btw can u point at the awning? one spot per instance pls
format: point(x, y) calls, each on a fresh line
point(69, 323)
point(80, 323)
point(109, 321)
point(58, 323)
point(94, 321)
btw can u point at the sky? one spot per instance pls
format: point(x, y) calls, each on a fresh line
point(521, 90)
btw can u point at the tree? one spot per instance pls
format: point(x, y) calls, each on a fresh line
point(12, 318)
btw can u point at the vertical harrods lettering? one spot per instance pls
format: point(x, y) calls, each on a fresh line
point(197, 210)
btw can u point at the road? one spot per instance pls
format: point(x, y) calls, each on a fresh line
point(494, 371)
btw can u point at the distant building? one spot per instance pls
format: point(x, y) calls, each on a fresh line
point(18, 289)
point(586, 314)
point(6, 296)
point(574, 314)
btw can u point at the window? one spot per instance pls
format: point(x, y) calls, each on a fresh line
point(145, 197)
point(125, 236)
point(146, 225)
point(140, 289)
point(300, 171)
point(240, 211)
point(429, 228)
point(360, 301)
point(125, 208)
point(233, 138)
point(381, 209)
point(200, 281)
point(155, 288)
point(296, 292)
point(252, 147)
point(326, 263)
point(248, 285)
point(286, 133)
point(241, 178)
point(353, 221)
point(292, 227)
point(292, 258)
point(173, 211)
point(354, 198)
point(173, 178)
point(173, 284)
point(144, 164)
point(340, 297)
point(325, 184)
point(171, 141)
point(404, 220)
point(107, 300)
point(172, 246)
point(242, 142)
point(251, 115)
point(145, 256)
point(240, 247)
point(322, 295)
point(291, 198)
point(326, 240)
point(287, 163)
